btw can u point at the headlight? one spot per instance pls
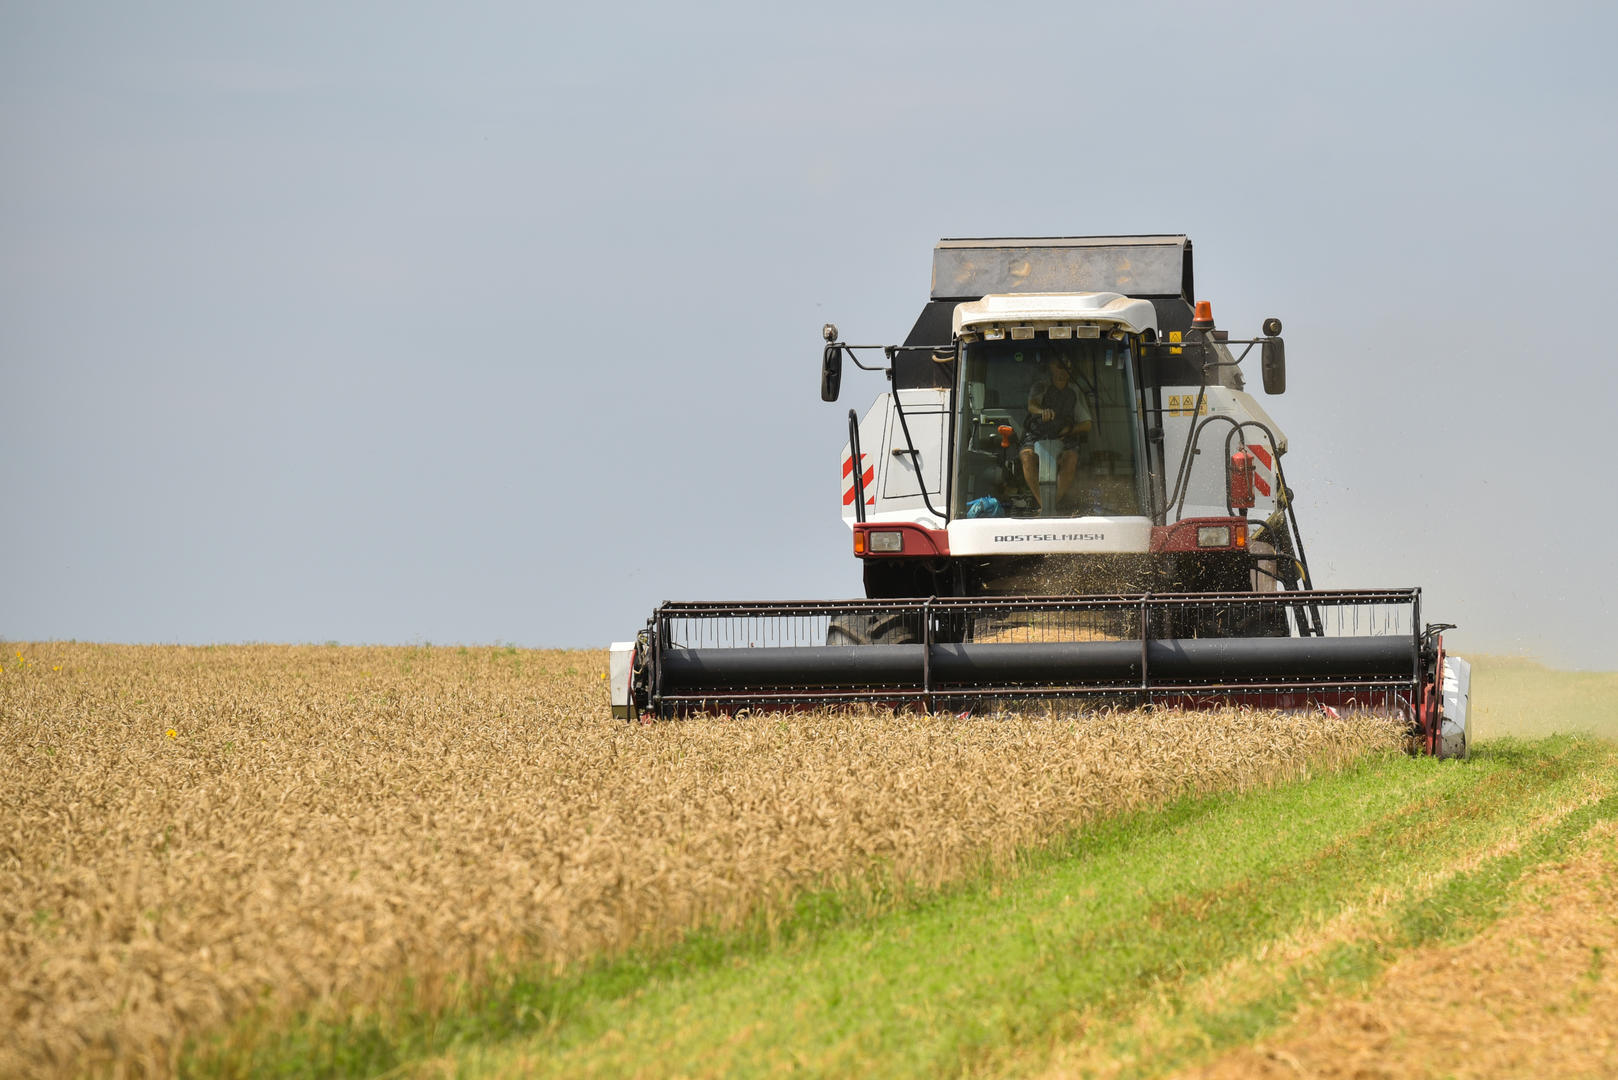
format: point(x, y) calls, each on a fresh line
point(887, 541)
point(1213, 536)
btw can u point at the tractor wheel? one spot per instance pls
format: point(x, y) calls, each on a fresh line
point(896, 628)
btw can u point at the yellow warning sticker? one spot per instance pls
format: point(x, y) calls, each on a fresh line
point(1182, 404)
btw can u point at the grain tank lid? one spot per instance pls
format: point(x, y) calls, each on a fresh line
point(1139, 266)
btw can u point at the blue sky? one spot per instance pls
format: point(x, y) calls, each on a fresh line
point(390, 323)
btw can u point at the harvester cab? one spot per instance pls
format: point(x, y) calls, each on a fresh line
point(1067, 491)
point(1064, 419)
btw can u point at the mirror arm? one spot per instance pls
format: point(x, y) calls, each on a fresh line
point(848, 350)
point(889, 351)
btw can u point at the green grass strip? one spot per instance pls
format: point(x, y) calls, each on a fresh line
point(1118, 915)
point(1461, 906)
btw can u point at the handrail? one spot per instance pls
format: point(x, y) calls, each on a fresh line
point(858, 463)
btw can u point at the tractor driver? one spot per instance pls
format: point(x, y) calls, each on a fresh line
point(1055, 411)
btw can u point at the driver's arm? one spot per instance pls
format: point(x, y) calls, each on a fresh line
point(1080, 422)
point(1036, 405)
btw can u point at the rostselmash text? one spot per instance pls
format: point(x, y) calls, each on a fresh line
point(1005, 537)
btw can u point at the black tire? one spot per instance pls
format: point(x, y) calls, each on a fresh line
point(897, 579)
point(886, 628)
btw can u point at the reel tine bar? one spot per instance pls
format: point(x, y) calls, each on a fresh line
point(1342, 648)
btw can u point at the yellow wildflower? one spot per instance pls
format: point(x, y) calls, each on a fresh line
point(171, 733)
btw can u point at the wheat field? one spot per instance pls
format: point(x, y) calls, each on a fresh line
point(192, 833)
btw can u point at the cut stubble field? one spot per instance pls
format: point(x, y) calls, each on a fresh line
point(214, 844)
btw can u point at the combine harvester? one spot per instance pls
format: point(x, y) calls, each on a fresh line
point(1066, 493)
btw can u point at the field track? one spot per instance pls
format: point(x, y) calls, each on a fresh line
point(221, 840)
point(1533, 994)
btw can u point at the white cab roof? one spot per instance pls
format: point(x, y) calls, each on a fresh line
point(1124, 312)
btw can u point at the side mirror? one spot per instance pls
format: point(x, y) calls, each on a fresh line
point(831, 372)
point(1273, 359)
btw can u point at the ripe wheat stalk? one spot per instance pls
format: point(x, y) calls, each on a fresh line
point(191, 833)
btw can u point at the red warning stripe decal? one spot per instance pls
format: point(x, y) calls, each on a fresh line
point(848, 496)
point(1261, 483)
point(865, 479)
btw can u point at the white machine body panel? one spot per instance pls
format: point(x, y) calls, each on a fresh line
point(1455, 733)
point(1041, 536)
point(1205, 490)
point(620, 673)
point(893, 483)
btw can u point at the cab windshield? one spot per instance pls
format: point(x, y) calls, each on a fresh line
point(1047, 429)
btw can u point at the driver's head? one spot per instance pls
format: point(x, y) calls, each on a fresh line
point(1059, 373)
